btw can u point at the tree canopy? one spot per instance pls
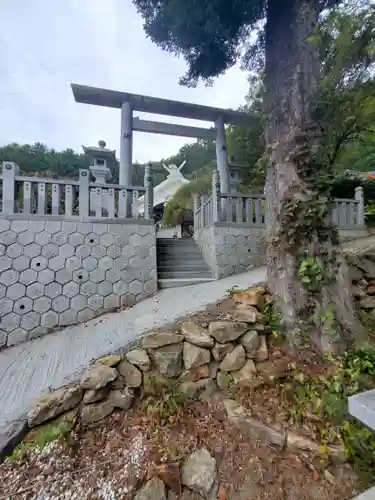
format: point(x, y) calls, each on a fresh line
point(211, 35)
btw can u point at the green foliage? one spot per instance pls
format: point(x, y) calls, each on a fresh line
point(207, 34)
point(38, 158)
point(180, 205)
point(326, 398)
point(48, 433)
point(211, 35)
point(360, 448)
point(311, 273)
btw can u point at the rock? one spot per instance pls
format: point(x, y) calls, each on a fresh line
point(140, 358)
point(98, 376)
point(296, 442)
point(11, 436)
point(301, 443)
point(253, 296)
point(93, 396)
point(251, 343)
point(234, 360)
point(168, 359)
point(220, 350)
point(258, 327)
point(110, 360)
point(359, 292)
point(196, 335)
point(155, 340)
point(189, 388)
point(367, 266)
point(355, 274)
point(245, 375)
point(195, 356)
point(121, 399)
point(131, 374)
point(213, 369)
point(54, 404)
point(254, 429)
point(199, 473)
point(95, 412)
point(118, 384)
point(262, 352)
point(226, 331)
point(208, 386)
point(248, 315)
point(367, 302)
point(154, 489)
point(195, 374)
point(329, 477)
point(169, 473)
point(224, 380)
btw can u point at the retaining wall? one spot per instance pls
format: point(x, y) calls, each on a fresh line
point(230, 248)
point(57, 272)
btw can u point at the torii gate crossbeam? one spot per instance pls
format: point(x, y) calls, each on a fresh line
point(128, 103)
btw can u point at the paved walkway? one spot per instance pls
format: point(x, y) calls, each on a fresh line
point(31, 369)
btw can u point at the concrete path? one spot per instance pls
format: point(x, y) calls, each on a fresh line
point(31, 369)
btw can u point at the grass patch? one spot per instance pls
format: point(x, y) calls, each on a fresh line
point(166, 401)
point(61, 431)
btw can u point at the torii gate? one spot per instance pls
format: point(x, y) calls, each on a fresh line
point(135, 102)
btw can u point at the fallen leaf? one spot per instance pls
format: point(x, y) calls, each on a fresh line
point(222, 493)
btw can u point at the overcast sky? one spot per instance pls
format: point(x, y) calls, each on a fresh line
point(48, 44)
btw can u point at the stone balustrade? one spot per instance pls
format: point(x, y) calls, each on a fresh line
point(69, 198)
point(229, 228)
point(69, 251)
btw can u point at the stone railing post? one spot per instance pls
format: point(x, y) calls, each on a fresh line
point(215, 196)
point(149, 193)
point(195, 215)
point(360, 219)
point(10, 171)
point(83, 201)
point(204, 198)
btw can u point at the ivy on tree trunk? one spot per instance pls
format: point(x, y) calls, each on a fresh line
point(307, 272)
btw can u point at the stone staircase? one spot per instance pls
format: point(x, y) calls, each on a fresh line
point(180, 263)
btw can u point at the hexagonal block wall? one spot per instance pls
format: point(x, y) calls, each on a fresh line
point(231, 249)
point(56, 273)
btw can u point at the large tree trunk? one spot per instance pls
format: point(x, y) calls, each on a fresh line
point(298, 218)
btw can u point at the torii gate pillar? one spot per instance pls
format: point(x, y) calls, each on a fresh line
point(222, 155)
point(126, 144)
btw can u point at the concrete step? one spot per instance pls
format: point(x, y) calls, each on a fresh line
point(176, 283)
point(184, 267)
point(182, 264)
point(178, 255)
point(183, 274)
point(175, 241)
point(177, 250)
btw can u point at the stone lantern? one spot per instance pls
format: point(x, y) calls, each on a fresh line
point(101, 161)
point(236, 174)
